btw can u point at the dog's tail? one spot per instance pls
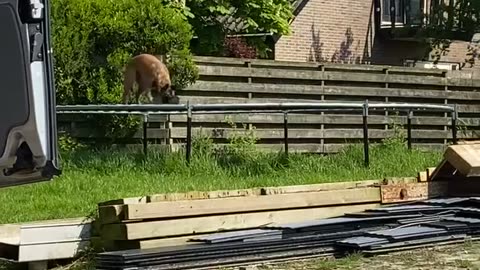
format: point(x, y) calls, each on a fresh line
point(129, 78)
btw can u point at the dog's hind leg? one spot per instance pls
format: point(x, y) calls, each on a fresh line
point(144, 88)
point(129, 77)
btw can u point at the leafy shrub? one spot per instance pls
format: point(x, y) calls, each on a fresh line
point(213, 20)
point(93, 40)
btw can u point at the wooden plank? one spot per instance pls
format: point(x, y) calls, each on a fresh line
point(86, 132)
point(465, 158)
point(191, 195)
point(197, 195)
point(319, 187)
point(109, 211)
point(43, 251)
point(325, 148)
point(205, 60)
point(52, 251)
point(10, 233)
point(189, 208)
point(301, 74)
point(399, 180)
point(46, 231)
point(430, 171)
point(55, 233)
point(422, 176)
point(311, 133)
point(412, 191)
point(220, 87)
point(162, 228)
point(226, 71)
point(317, 119)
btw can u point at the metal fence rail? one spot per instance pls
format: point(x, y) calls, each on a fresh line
point(284, 108)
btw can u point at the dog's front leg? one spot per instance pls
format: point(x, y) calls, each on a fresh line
point(149, 95)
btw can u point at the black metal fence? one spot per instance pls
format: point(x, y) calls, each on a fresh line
point(284, 108)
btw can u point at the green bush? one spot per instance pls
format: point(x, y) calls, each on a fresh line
point(93, 40)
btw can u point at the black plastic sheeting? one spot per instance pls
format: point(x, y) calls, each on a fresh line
point(421, 224)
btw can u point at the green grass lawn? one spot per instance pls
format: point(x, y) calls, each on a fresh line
point(91, 176)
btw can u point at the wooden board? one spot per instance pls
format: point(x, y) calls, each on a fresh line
point(195, 195)
point(294, 133)
point(191, 195)
point(184, 226)
point(43, 252)
point(222, 87)
point(412, 191)
point(317, 119)
point(319, 187)
point(465, 158)
point(422, 176)
point(189, 208)
point(210, 60)
point(46, 231)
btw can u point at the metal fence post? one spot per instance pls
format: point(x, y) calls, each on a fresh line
point(285, 131)
point(454, 124)
point(145, 139)
point(189, 133)
point(365, 133)
point(409, 129)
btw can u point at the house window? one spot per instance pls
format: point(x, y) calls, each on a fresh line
point(386, 9)
point(406, 12)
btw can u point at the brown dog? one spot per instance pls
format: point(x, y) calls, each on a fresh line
point(152, 77)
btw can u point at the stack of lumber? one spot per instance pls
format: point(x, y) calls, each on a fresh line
point(172, 219)
point(43, 241)
point(378, 230)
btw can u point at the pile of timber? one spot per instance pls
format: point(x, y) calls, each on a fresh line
point(170, 219)
point(425, 223)
point(173, 219)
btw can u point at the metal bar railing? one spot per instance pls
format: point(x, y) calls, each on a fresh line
point(241, 108)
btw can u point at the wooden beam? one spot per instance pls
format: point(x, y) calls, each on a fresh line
point(412, 191)
point(190, 195)
point(222, 88)
point(184, 226)
point(422, 176)
point(189, 208)
point(319, 187)
point(465, 158)
point(277, 133)
point(196, 195)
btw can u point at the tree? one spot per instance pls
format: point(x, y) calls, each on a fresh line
point(212, 20)
point(453, 19)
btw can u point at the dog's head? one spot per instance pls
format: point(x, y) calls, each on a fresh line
point(170, 96)
point(167, 96)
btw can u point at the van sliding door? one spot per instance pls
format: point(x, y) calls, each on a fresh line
point(28, 138)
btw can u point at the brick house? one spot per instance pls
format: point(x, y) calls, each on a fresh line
point(358, 31)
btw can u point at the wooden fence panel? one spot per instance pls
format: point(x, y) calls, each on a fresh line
point(230, 80)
